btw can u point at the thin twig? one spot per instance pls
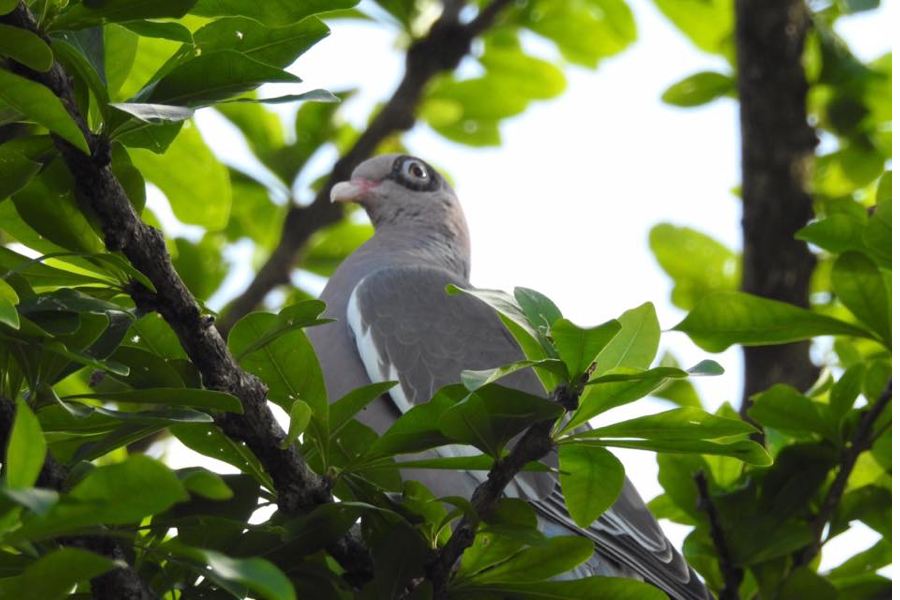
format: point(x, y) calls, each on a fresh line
point(862, 441)
point(533, 445)
point(732, 575)
point(445, 45)
point(299, 488)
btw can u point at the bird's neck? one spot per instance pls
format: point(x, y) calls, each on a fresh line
point(440, 247)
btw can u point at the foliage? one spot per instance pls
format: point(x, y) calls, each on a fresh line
point(87, 374)
point(832, 463)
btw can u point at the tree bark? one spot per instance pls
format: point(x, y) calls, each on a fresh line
point(777, 152)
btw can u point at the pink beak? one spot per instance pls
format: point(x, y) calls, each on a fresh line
point(354, 190)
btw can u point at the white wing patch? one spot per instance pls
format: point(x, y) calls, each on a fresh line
point(378, 367)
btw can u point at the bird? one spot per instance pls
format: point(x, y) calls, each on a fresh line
point(394, 321)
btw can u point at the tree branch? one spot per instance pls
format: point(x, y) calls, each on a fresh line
point(533, 445)
point(119, 583)
point(862, 441)
point(731, 573)
point(299, 488)
point(776, 158)
point(445, 45)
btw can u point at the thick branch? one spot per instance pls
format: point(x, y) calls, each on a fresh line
point(776, 151)
point(119, 583)
point(533, 445)
point(445, 45)
point(299, 487)
point(731, 573)
point(862, 441)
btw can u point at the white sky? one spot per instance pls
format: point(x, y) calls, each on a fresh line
point(565, 205)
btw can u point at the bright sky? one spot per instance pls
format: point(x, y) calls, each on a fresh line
point(565, 205)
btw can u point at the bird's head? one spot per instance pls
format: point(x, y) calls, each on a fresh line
point(400, 190)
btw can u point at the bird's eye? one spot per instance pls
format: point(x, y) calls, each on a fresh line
point(416, 170)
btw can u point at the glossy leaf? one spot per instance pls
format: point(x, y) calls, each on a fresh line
point(418, 429)
point(54, 575)
point(115, 494)
point(578, 347)
point(288, 364)
point(635, 345)
point(349, 406)
point(175, 174)
point(25, 47)
point(558, 555)
point(273, 13)
point(300, 415)
point(591, 479)
point(605, 396)
point(17, 169)
point(877, 235)
point(709, 24)
point(675, 424)
point(722, 319)
point(40, 105)
point(107, 11)
point(476, 379)
point(489, 417)
point(26, 449)
point(697, 264)
point(196, 398)
point(212, 77)
point(784, 408)
point(276, 46)
point(155, 113)
point(698, 89)
point(745, 450)
point(861, 288)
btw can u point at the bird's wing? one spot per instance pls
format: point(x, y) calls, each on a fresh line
point(408, 329)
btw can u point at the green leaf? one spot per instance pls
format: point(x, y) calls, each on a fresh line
point(8, 314)
point(540, 310)
point(847, 389)
point(697, 264)
point(476, 379)
point(418, 429)
point(300, 415)
point(295, 316)
point(212, 77)
point(804, 583)
point(591, 479)
point(579, 347)
point(481, 462)
point(745, 450)
point(83, 15)
point(116, 494)
point(860, 287)
point(175, 174)
point(675, 424)
point(25, 47)
point(26, 450)
point(709, 24)
point(160, 29)
point(205, 483)
point(491, 416)
point(330, 246)
point(635, 344)
point(722, 319)
point(836, 233)
point(196, 398)
point(55, 574)
point(604, 396)
point(699, 89)
point(585, 33)
point(155, 113)
point(7, 6)
point(784, 408)
point(207, 439)
point(40, 105)
point(275, 46)
point(287, 364)
point(536, 563)
point(273, 13)
point(17, 169)
point(348, 406)
point(588, 588)
point(257, 574)
point(877, 235)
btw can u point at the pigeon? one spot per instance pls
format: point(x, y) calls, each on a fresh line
point(394, 321)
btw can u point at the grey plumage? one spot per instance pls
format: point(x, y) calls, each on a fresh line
point(394, 320)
